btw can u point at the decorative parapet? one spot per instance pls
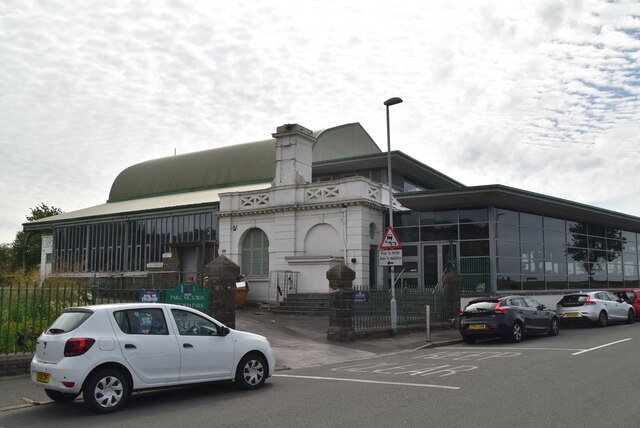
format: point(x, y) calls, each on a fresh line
point(254, 201)
point(352, 190)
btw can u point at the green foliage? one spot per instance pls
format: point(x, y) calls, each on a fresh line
point(27, 245)
point(26, 309)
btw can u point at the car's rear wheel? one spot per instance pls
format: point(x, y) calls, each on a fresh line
point(106, 391)
point(554, 329)
point(515, 336)
point(61, 397)
point(468, 339)
point(631, 316)
point(251, 372)
point(603, 319)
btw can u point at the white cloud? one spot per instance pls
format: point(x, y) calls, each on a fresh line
point(539, 95)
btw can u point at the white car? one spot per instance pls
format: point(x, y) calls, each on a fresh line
point(600, 307)
point(106, 352)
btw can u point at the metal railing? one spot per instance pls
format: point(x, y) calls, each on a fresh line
point(371, 308)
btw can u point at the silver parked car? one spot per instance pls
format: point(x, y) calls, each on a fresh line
point(600, 307)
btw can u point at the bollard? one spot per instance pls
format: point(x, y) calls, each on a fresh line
point(428, 323)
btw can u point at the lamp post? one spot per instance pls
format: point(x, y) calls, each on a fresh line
point(394, 308)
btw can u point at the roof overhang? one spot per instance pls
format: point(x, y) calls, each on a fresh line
point(412, 169)
point(515, 199)
point(138, 207)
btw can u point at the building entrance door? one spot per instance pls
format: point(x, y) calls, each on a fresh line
point(435, 260)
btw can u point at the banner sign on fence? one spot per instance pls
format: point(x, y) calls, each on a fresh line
point(149, 296)
point(190, 295)
point(360, 296)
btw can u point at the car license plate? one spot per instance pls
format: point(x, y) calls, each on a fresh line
point(572, 315)
point(43, 377)
point(477, 326)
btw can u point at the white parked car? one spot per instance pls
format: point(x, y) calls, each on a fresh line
point(601, 307)
point(106, 352)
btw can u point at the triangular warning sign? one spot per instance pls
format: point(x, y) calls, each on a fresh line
point(390, 240)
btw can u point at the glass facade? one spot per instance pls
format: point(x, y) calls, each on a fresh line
point(429, 233)
point(532, 252)
point(544, 253)
point(127, 245)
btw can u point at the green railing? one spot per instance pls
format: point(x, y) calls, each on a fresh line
point(27, 309)
point(371, 309)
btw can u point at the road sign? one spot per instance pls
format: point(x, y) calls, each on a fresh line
point(390, 258)
point(390, 240)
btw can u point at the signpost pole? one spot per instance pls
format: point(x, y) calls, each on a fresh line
point(394, 308)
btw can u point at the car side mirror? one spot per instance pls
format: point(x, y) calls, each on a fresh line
point(620, 300)
point(541, 307)
point(223, 331)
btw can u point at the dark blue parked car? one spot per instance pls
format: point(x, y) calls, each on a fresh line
point(509, 317)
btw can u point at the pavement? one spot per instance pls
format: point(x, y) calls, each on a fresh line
point(297, 341)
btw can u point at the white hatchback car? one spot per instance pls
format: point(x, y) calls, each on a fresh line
point(600, 307)
point(106, 352)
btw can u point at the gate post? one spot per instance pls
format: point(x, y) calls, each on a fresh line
point(221, 274)
point(452, 288)
point(341, 304)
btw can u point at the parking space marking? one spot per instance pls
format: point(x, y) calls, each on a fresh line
point(410, 369)
point(379, 382)
point(520, 349)
point(601, 346)
point(466, 355)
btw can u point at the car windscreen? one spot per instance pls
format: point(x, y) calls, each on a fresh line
point(68, 321)
point(483, 306)
point(574, 300)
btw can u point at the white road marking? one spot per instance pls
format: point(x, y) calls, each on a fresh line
point(520, 349)
point(421, 385)
point(601, 346)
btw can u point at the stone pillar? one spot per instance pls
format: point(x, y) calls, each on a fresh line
point(221, 276)
point(341, 304)
point(452, 288)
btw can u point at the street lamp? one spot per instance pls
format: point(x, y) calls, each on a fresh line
point(394, 308)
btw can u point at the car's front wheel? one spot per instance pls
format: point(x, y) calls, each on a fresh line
point(106, 391)
point(554, 329)
point(60, 397)
point(603, 319)
point(251, 372)
point(515, 336)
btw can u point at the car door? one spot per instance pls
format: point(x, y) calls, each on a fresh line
point(526, 312)
point(540, 316)
point(619, 308)
point(206, 353)
point(149, 347)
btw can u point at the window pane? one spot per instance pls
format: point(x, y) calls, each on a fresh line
point(556, 224)
point(507, 216)
point(439, 233)
point(410, 218)
point(407, 234)
point(530, 235)
point(508, 232)
point(508, 265)
point(474, 248)
point(554, 238)
point(474, 215)
point(531, 220)
point(508, 248)
point(474, 231)
point(509, 282)
point(438, 217)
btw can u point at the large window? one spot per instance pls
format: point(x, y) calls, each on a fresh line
point(255, 254)
point(127, 245)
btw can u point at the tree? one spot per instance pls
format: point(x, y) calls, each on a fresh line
point(28, 256)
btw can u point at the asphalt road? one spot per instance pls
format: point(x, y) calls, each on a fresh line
point(584, 377)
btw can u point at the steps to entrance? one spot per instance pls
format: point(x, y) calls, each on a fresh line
point(303, 304)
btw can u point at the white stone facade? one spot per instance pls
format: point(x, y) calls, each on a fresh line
point(310, 227)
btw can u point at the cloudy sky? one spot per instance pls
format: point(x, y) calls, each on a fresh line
point(539, 95)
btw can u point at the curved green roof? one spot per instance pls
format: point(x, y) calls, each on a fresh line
point(230, 166)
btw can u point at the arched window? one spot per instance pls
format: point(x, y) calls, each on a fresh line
point(255, 253)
